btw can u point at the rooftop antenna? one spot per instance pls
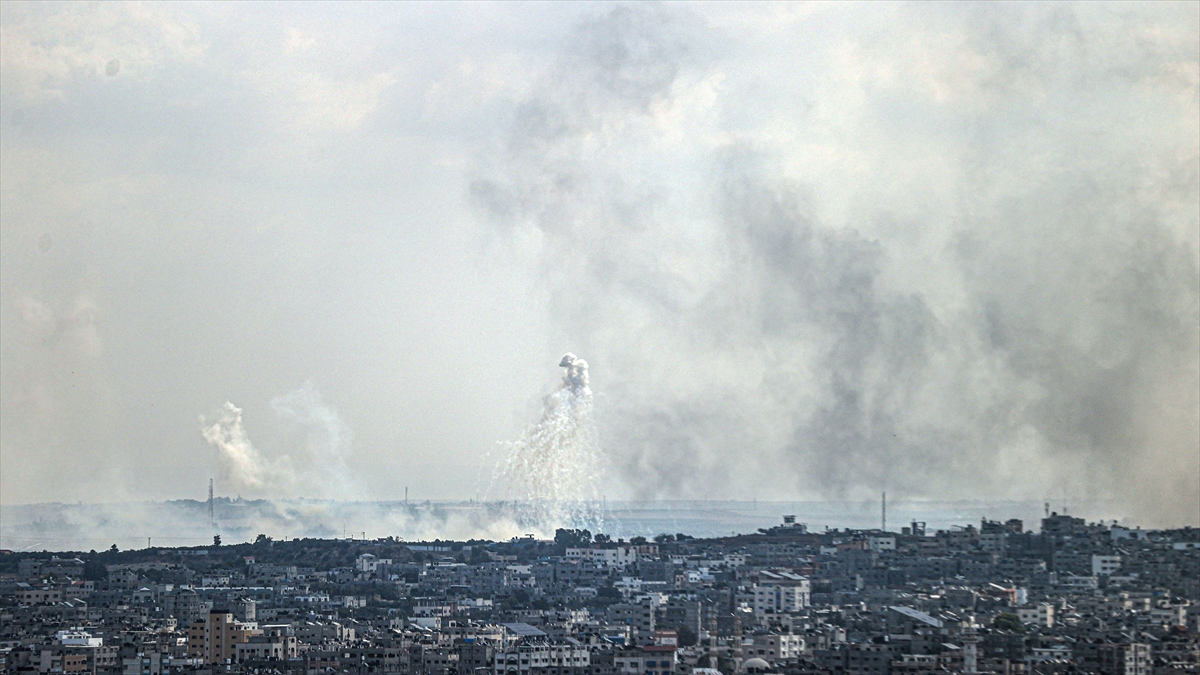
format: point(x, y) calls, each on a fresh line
point(883, 512)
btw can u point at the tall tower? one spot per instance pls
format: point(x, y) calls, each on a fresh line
point(712, 637)
point(883, 512)
point(970, 650)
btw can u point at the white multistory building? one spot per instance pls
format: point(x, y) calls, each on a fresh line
point(778, 592)
point(1037, 615)
point(881, 542)
point(1105, 565)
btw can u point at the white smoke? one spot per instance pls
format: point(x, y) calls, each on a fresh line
point(320, 438)
point(554, 468)
point(242, 466)
point(1002, 310)
point(313, 463)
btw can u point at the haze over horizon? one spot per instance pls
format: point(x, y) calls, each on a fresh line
point(808, 251)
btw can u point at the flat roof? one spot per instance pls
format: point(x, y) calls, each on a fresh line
point(918, 616)
point(523, 629)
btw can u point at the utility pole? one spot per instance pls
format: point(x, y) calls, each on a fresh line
point(883, 512)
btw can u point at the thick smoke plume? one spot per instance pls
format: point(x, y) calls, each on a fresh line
point(185, 522)
point(242, 466)
point(553, 470)
point(1010, 309)
point(311, 462)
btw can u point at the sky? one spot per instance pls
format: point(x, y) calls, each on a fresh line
point(809, 251)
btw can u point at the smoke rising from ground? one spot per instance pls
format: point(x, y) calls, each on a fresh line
point(80, 527)
point(310, 460)
point(241, 464)
point(1016, 317)
point(60, 527)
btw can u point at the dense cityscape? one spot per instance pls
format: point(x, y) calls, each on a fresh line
point(994, 598)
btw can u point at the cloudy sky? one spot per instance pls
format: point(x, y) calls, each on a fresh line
point(809, 250)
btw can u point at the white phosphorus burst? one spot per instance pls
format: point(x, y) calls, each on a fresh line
point(554, 468)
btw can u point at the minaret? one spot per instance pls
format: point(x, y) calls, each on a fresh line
point(970, 650)
point(712, 638)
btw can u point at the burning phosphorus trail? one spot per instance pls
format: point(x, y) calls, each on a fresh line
point(553, 468)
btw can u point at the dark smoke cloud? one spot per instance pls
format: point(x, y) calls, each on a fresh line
point(1039, 338)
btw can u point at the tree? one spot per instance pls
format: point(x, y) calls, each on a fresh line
point(216, 540)
point(113, 549)
point(603, 539)
point(262, 539)
point(687, 636)
point(664, 538)
point(1009, 622)
point(572, 538)
point(637, 541)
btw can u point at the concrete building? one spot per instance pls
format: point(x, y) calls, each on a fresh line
point(619, 556)
point(774, 646)
point(1105, 565)
point(640, 617)
point(881, 542)
point(216, 638)
point(1123, 659)
point(778, 592)
point(277, 642)
point(649, 660)
point(534, 651)
point(992, 541)
point(1039, 615)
